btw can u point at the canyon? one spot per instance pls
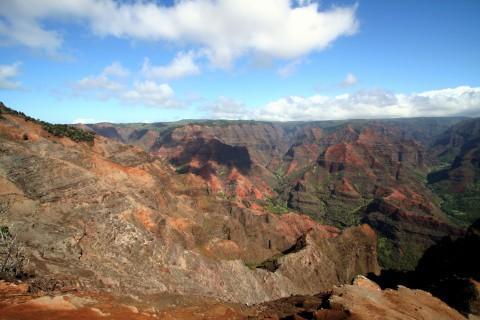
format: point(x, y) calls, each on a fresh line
point(340, 173)
point(232, 216)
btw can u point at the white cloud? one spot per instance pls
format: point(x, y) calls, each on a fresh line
point(228, 109)
point(350, 80)
point(26, 31)
point(373, 104)
point(151, 94)
point(100, 82)
point(225, 29)
point(182, 65)
point(103, 81)
point(116, 70)
point(8, 73)
point(113, 83)
point(290, 68)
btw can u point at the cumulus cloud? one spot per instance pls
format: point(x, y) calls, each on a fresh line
point(182, 65)
point(100, 82)
point(290, 68)
point(225, 29)
point(349, 81)
point(112, 83)
point(228, 109)
point(116, 70)
point(8, 74)
point(459, 101)
point(103, 81)
point(151, 94)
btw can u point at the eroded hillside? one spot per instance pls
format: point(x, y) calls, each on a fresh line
point(105, 215)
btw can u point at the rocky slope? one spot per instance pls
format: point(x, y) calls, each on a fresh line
point(362, 300)
point(94, 213)
point(338, 172)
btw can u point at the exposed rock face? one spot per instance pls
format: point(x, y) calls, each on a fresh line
point(342, 173)
point(366, 303)
point(111, 216)
point(362, 300)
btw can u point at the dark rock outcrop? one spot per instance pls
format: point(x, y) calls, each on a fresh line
point(448, 269)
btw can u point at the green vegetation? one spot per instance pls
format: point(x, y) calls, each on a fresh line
point(58, 130)
point(222, 172)
point(420, 176)
point(385, 252)
point(279, 175)
point(251, 265)
point(341, 215)
point(228, 194)
point(4, 231)
point(463, 208)
point(222, 195)
point(63, 130)
point(345, 218)
point(270, 264)
point(276, 205)
point(403, 255)
point(449, 156)
point(409, 254)
point(183, 169)
point(281, 182)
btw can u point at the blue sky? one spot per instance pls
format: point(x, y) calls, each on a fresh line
point(82, 60)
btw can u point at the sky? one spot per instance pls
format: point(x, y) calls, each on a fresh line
point(148, 61)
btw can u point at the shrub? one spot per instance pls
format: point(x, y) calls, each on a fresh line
point(276, 205)
point(183, 169)
point(13, 259)
point(63, 130)
point(385, 251)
